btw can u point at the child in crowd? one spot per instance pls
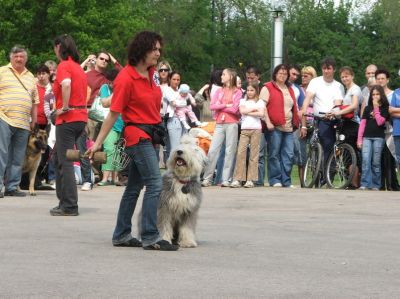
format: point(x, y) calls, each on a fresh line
point(371, 138)
point(183, 106)
point(252, 110)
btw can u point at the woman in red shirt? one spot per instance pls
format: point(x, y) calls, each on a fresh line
point(69, 88)
point(137, 97)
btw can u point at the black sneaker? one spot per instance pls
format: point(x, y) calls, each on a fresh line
point(162, 245)
point(15, 193)
point(131, 243)
point(58, 212)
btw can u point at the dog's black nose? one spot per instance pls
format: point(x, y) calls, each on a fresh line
point(179, 152)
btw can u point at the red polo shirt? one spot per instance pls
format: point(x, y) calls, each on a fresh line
point(138, 100)
point(69, 69)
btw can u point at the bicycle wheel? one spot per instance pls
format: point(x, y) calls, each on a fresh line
point(341, 166)
point(313, 165)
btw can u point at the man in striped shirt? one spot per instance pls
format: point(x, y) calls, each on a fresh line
point(18, 109)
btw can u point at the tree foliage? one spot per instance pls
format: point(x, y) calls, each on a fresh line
point(205, 34)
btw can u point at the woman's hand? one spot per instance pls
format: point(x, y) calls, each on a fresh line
point(375, 102)
point(270, 126)
point(359, 145)
point(94, 148)
point(228, 105)
point(303, 132)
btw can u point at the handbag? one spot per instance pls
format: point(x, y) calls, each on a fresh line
point(349, 115)
point(97, 112)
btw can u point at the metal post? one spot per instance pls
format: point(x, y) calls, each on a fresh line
point(277, 35)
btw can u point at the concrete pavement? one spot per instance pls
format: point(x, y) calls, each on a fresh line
point(253, 243)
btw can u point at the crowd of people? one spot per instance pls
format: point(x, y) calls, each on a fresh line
point(242, 127)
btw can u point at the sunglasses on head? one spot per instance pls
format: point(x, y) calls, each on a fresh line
point(163, 70)
point(105, 59)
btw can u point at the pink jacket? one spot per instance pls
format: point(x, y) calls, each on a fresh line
point(223, 114)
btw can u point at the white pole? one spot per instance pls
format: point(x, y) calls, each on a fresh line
point(278, 39)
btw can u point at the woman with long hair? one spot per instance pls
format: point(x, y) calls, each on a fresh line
point(225, 105)
point(70, 90)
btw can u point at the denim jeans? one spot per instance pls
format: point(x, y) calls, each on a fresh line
point(227, 133)
point(66, 136)
point(13, 143)
point(175, 132)
point(397, 149)
point(371, 162)
point(143, 171)
point(327, 137)
point(280, 157)
point(261, 160)
point(86, 168)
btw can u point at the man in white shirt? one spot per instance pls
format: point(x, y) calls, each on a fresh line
point(324, 91)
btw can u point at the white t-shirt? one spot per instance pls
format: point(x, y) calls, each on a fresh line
point(355, 90)
point(251, 122)
point(169, 95)
point(325, 94)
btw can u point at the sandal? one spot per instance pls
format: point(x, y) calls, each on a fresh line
point(107, 183)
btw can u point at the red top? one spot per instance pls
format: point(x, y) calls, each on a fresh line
point(95, 80)
point(69, 69)
point(138, 100)
point(41, 116)
point(275, 106)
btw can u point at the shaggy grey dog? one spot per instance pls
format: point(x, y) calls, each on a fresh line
point(181, 194)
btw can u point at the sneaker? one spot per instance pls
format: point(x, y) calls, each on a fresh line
point(249, 184)
point(197, 124)
point(162, 245)
point(57, 211)
point(375, 189)
point(277, 185)
point(15, 193)
point(362, 188)
point(86, 186)
point(236, 184)
point(206, 183)
point(225, 184)
point(131, 243)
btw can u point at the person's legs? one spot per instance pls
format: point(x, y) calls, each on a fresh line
point(286, 157)
point(5, 140)
point(274, 164)
point(252, 170)
point(240, 167)
point(214, 151)
point(86, 168)
point(16, 158)
point(231, 141)
point(377, 147)
point(174, 132)
point(327, 137)
point(67, 193)
point(366, 172)
point(397, 149)
point(143, 171)
point(261, 160)
point(108, 147)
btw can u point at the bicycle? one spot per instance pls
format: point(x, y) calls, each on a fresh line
point(342, 162)
point(313, 169)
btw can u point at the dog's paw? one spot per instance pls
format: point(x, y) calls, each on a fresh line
point(187, 244)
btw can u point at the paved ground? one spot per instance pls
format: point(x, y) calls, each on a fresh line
point(253, 243)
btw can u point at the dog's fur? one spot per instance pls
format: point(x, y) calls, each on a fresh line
point(181, 194)
point(37, 144)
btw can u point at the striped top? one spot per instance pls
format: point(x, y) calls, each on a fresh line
point(15, 102)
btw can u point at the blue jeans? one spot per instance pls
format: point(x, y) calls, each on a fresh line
point(327, 137)
point(86, 168)
point(143, 171)
point(397, 149)
point(175, 132)
point(13, 143)
point(280, 157)
point(371, 162)
point(261, 160)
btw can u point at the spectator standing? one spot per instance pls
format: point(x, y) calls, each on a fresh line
point(252, 110)
point(18, 111)
point(225, 104)
point(137, 96)
point(371, 138)
point(394, 110)
point(70, 90)
point(281, 117)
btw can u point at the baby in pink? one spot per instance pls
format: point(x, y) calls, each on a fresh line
point(183, 106)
